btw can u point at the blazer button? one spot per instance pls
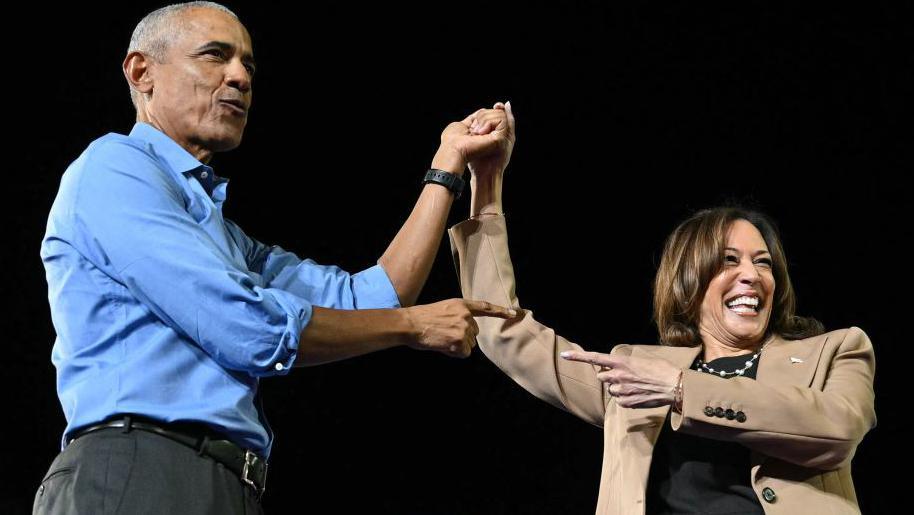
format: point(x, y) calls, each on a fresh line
point(709, 411)
point(769, 495)
point(730, 414)
point(740, 417)
point(719, 412)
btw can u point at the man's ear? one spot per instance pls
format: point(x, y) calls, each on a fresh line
point(137, 68)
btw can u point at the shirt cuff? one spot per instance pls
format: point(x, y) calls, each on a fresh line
point(372, 289)
point(298, 314)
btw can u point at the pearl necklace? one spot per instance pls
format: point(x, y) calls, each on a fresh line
point(701, 366)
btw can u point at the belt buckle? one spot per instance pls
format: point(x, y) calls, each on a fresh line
point(250, 461)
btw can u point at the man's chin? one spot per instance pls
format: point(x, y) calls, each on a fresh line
point(224, 143)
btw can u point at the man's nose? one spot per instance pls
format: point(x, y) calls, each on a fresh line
point(238, 76)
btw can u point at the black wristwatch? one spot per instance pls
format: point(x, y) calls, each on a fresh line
point(453, 182)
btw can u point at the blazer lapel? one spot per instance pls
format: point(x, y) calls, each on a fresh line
point(790, 362)
point(787, 362)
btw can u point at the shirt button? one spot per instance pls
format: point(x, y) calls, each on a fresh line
point(709, 411)
point(730, 414)
point(719, 412)
point(769, 495)
point(740, 417)
point(41, 490)
point(278, 367)
point(204, 175)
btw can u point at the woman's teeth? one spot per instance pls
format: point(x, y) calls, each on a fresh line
point(744, 304)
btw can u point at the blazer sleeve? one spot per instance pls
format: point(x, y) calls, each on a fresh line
point(524, 349)
point(810, 427)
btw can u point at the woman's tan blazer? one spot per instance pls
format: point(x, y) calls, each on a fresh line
point(802, 418)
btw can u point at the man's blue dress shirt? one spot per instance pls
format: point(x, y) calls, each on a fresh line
point(164, 308)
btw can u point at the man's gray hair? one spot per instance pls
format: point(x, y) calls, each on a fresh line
point(158, 30)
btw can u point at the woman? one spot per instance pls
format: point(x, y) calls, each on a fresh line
point(744, 407)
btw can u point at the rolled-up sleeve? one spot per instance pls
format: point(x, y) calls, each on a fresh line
point(132, 223)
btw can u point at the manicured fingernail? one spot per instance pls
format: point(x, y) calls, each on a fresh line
point(565, 354)
point(512, 312)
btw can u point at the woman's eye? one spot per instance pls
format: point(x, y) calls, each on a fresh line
point(764, 262)
point(730, 259)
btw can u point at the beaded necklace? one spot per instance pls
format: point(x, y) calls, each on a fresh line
point(701, 366)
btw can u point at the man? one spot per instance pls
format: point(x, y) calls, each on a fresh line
point(167, 314)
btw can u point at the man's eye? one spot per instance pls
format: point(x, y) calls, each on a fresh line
point(215, 52)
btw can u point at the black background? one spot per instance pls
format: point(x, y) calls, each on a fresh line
point(629, 118)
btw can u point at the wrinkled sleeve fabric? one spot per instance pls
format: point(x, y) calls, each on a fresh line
point(803, 426)
point(322, 285)
point(523, 348)
point(131, 221)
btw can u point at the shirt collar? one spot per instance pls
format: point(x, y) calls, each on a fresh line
point(179, 159)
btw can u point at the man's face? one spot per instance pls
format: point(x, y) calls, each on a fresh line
point(202, 91)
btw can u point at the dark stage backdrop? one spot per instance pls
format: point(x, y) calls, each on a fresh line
point(629, 118)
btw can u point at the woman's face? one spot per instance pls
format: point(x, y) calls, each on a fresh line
point(737, 304)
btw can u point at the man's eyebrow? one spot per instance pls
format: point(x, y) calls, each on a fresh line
point(227, 48)
point(221, 45)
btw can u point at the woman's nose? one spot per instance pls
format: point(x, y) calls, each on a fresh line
point(748, 274)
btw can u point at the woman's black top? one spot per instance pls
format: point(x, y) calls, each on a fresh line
point(691, 474)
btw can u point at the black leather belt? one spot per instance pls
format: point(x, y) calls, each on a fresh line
point(251, 468)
